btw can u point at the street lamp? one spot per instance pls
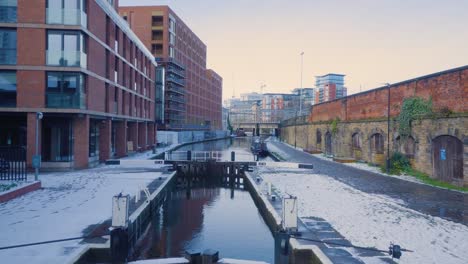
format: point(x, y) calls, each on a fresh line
point(300, 91)
point(388, 128)
point(37, 158)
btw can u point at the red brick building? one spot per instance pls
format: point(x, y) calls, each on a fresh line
point(79, 64)
point(193, 94)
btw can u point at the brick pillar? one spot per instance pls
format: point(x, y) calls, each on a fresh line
point(81, 141)
point(133, 134)
point(31, 138)
point(151, 134)
point(105, 130)
point(142, 136)
point(121, 138)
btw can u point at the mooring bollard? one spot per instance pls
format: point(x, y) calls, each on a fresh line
point(189, 155)
point(233, 156)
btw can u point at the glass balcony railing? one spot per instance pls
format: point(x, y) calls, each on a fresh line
point(63, 100)
point(8, 11)
point(66, 58)
point(8, 56)
point(66, 17)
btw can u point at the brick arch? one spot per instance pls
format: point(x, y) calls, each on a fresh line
point(357, 137)
point(318, 138)
point(376, 146)
point(409, 148)
point(328, 138)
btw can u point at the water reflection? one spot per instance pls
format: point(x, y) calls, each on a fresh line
point(223, 219)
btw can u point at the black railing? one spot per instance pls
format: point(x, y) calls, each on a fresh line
point(13, 163)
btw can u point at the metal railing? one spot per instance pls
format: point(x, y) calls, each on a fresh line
point(63, 100)
point(66, 58)
point(8, 56)
point(66, 16)
point(13, 163)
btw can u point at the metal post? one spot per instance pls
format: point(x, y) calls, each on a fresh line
point(233, 156)
point(39, 116)
point(295, 129)
point(300, 91)
point(388, 129)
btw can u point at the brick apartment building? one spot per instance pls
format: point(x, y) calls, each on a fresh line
point(78, 63)
point(193, 94)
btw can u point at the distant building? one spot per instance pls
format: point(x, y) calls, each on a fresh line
point(277, 106)
point(193, 93)
point(251, 97)
point(308, 98)
point(329, 87)
point(225, 118)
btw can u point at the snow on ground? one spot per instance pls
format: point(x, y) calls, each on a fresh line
point(68, 203)
point(373, 220)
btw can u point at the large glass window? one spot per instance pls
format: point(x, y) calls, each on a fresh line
point(94, 139)
point(7, 89)
point(7, 46)
point(8, 11)
point(65, 90)
point(67, 12)
point(66, 48)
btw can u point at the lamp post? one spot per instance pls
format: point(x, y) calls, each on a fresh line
point(37, 157)
point(300, 91)
point(295, 130)
point(388, 128)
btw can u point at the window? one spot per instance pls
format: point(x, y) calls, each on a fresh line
point(7, 46)
point(116, 44)
point(66, 48)
point(94, 139)
point(171, 52)
point(116, 70)
point(171, 38)
point(69, 12)
point(7, 89)
point(65, 90)
point(319, 137)
point(8, 11)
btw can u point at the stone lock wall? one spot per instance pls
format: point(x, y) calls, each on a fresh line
point(365, 114)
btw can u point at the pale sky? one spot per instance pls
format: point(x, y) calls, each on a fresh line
point(371, 41)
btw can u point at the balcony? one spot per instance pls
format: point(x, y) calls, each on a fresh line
point(176, 71)
point(8, 12)
point(67, 58)
point(177, 108)
point(178, 81)
point(67, 17)
point(175, 89)
point(177, 99)
point(63, 100)
point(8, 56)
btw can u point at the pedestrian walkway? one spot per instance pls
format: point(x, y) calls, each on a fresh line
point(447, 204)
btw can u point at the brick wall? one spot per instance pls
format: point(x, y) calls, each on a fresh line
point(447, 89)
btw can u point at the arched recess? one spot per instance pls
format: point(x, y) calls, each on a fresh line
point(377, 150)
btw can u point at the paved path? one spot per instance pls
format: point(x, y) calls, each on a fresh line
point(450, 205)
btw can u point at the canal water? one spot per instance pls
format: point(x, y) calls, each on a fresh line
point(208, 216)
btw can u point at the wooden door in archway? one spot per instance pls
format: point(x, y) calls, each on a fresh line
point(447, 158)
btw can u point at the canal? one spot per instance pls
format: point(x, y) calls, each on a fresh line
point(211, 216)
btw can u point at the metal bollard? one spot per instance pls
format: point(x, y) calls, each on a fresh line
point(189, 155)
point(233, 156)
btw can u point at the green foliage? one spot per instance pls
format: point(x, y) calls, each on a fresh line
point(414, 108)
point(398, 163)
point(434, 182)
point(334, 125)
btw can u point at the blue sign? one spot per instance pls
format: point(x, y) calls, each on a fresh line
point(443, 154)
point(36, 161)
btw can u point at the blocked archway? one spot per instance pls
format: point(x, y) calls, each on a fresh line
point(328, 144)
point(377, 153)
point(356, 146)
point(447, 158)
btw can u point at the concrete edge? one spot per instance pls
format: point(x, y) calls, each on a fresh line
point(135, 214)
point(273, 219)
point(313, 251)
point(19, 191)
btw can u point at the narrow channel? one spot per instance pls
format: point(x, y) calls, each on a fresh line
point(211, 216)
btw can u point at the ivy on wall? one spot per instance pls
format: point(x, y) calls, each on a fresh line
point(413, 108)
point(334, 125)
